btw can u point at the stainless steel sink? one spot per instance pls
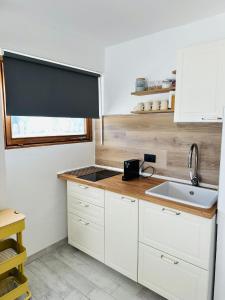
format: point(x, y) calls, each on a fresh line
point(184, 193)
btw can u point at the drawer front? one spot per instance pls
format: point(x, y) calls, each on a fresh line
point(86, 236)
point(86, 193)
point(180, 234)
point(86, 210)
point(170, 277)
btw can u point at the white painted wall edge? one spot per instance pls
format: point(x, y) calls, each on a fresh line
point(202, 184)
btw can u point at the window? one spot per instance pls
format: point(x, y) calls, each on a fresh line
point(35, 131)
point(43, 126)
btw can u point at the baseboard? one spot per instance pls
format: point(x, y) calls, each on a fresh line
point(47, 250)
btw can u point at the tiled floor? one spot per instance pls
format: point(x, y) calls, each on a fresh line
point(69, 274)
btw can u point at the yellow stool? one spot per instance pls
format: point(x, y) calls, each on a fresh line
point(13, 282)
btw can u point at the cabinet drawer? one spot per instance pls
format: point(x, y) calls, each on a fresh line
point(86, 210)
point(86, 193)
point(180, 234)
point(170, 277)
point(86, 236)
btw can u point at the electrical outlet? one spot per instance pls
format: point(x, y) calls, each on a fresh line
point(150, 158)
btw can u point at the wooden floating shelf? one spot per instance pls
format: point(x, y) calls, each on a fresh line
point(153, 91)
point(152, 112)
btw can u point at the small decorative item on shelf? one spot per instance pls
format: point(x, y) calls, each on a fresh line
point(140, 107)
point(156, 105)
point(164, 105)
point(157, 84)
point(141, 84)
point(154, 87)
point(166, 84)
point(147, 106)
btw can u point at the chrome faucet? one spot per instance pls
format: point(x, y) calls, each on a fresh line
point(193, 175)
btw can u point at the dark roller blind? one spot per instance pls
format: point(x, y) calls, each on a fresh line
point(39, 88)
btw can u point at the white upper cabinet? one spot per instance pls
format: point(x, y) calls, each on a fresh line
point(200, 90)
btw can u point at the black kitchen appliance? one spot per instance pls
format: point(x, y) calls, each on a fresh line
point(99, 175)
point(131, 169)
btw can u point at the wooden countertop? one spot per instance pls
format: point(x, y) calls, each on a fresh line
point(9, 216)
point(136, 188)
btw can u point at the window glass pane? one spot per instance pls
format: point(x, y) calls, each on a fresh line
point(46, 126)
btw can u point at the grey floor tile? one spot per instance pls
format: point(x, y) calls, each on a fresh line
point(96, 272)
point(51, 295)
point(76, 295)
point(127, 289)
point(99, 294)
point(146, 294)
point(50, 278)
point(37, 285)
point(69, 274)
point(131, 290)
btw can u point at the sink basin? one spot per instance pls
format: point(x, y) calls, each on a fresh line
point(184, 193)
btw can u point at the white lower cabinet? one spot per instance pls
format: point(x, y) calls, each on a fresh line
point(176, 252)
point(86, 228)
point(171, 277)
point(121, 234)
point(86, 236)
point(178, 233)
point(168, 251)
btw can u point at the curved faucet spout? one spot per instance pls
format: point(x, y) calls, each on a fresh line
point(193, 175)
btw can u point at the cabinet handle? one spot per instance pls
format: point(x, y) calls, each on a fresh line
point(171, 211)
point(170, 260)
point(84, 205)
point(83, 222)
point(83, 187)
point(211, 118)
point(131, 200)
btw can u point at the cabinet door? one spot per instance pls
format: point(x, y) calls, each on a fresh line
point(86, 236)
point(121, 234)
point(170, 277)
point(200, 93)
point(183, 235)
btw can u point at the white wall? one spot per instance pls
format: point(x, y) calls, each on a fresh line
point(34, 189)
point(152, 56)
point(3, 200)
point(46, 42)
point(30, 174)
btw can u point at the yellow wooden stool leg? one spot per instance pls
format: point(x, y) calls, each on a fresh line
point(28, 295)
point(19, 244)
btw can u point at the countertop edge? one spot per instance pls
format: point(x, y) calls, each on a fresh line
point(201, 212)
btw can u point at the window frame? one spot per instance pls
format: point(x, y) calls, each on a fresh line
point(11, 142)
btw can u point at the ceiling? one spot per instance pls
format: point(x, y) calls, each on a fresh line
point(109, 22)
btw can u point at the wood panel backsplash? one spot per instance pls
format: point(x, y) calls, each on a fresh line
point(130, 136)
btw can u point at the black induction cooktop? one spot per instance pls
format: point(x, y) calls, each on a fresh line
point(99, 175)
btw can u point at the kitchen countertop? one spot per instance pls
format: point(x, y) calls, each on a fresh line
point(136, 188)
